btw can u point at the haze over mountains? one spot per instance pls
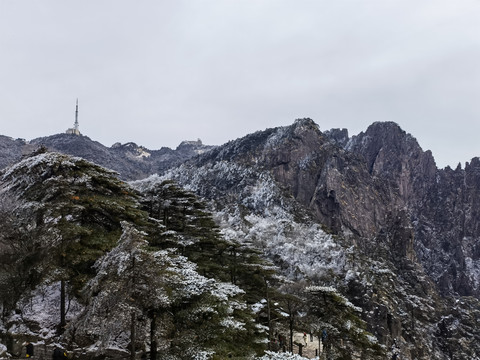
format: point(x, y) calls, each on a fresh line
point(370, 216)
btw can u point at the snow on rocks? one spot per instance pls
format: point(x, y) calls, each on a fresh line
point(270, 355)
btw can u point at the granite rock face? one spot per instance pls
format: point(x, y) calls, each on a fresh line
point(442, 203)
point(447, 230)
point(358, 185)
point(330, 181)
point(390, 153)
point(413, 227)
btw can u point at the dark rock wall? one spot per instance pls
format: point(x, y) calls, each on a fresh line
point(442, 203)
point(447, 229)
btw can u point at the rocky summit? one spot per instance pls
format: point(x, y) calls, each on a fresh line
point(360, 241)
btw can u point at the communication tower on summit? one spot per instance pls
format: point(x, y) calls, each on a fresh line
point(75, 130)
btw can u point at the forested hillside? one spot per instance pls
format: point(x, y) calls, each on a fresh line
point(106, 271)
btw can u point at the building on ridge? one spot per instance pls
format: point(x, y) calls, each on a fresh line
point(75, 130)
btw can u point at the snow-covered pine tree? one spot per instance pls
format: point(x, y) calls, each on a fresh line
point(337, 321)
point(175, 310)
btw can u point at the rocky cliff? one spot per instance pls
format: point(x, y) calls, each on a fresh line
point(411, 229)
point(442, 203)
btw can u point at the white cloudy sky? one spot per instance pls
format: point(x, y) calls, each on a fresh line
point(157, 72)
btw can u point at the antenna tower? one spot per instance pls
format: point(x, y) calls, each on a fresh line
point(75, 125)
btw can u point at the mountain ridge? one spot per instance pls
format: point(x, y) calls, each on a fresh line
point(377, 191)
point(369, 216)
point(383, 167)
point(130, 160)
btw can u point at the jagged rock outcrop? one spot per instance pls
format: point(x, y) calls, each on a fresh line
point(392, 154)
point(447, 230)
point(338, 136)
point(442, 203)
point(333, 183)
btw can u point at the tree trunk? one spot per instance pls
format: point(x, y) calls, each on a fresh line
point(269, 316)
point(291, 334)
point(63, 321)
point(153, 330)
point(132, 336)
point(319, 344)
point(291, 322)
point(233, 271)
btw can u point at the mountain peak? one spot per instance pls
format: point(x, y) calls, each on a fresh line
point(388, 125)
point(304, 122)
point(197, 142)
point(385, 146)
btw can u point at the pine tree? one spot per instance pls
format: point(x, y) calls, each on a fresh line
point(68, 214)
point(336, 317)
point(165, 302)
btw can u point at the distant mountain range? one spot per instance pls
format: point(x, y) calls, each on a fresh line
point(129, 160)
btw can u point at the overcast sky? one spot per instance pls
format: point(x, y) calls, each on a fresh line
point(157, 72)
